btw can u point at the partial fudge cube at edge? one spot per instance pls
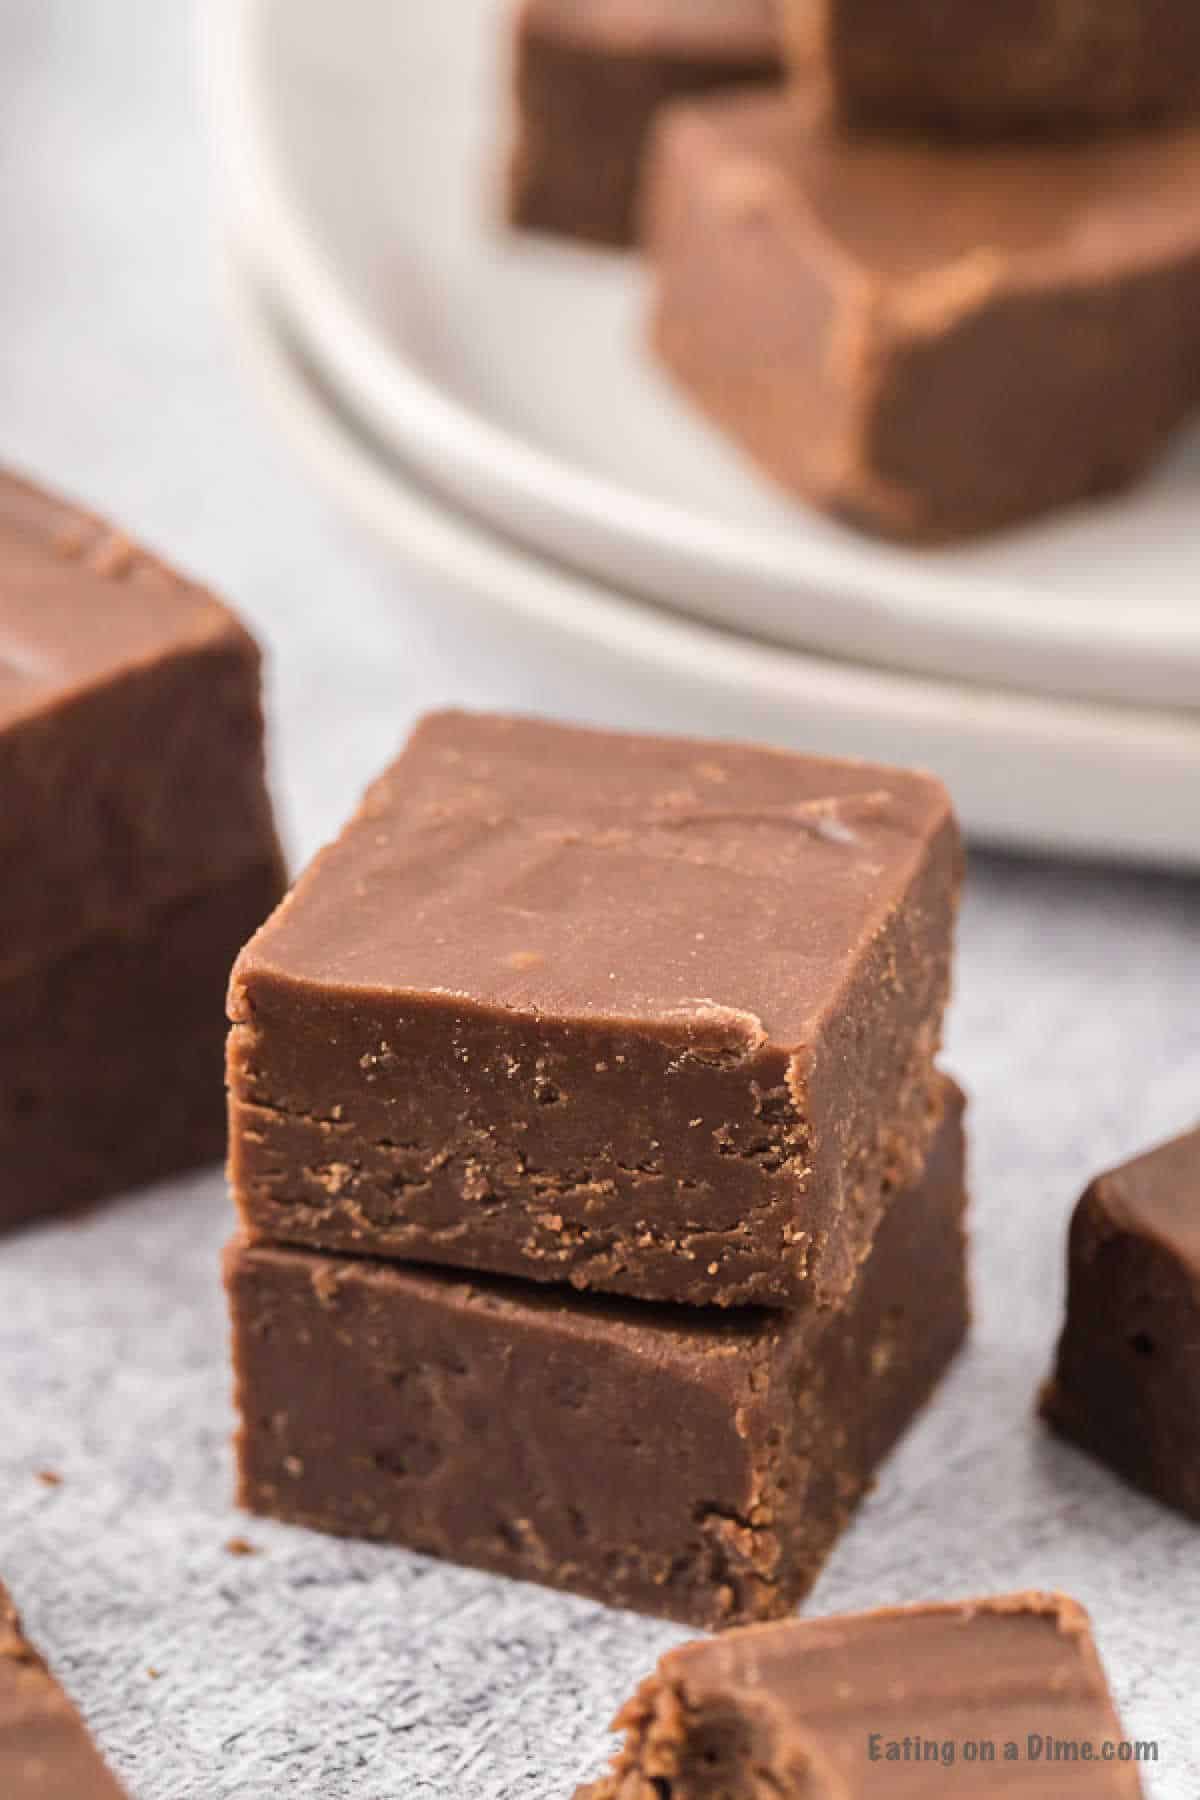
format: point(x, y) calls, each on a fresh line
point(139, 851)
point(1127, 1383)
point(808, 1710)
point(651, 1016)
point(689, 1462)
point(45, 1750)
point(131, 732)
point(1012, 68)
point(927, 342)
point(590, 77)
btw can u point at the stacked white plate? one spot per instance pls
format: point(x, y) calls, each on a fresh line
point(483, 403)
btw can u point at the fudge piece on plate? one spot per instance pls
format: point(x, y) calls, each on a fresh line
point(928, 342)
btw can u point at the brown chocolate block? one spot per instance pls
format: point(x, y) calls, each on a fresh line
point(652, 1016)
point(1127, 1384)
point(927, 342)
point(881, 1706)
point(1004, 69)
point(111, 1054)
point(45, 1750)
point(131, 759)
point(590, 77)
point(525, 1431)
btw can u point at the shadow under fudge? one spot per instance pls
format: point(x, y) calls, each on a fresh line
point(653, 1016)
point(511, 1427)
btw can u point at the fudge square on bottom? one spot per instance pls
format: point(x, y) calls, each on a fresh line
point(1127, 1382)
point(590, 77)
point(653, 1016)
point(867, 1707)
point(927, 341)
point(690, 1462)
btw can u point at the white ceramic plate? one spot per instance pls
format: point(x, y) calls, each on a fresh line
point(1024, 771)
point(361, 141)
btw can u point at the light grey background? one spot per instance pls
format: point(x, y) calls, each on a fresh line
point(355, 1673)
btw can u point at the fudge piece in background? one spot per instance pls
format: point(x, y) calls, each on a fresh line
point(1127, 1382)
point(1009, 68)
point(684, 1461)
point(649, 1015)
point(927, 342)
point(590, 78)
point(139, 852)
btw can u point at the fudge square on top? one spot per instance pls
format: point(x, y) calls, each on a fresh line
point(648, 1015)
point(131, 733)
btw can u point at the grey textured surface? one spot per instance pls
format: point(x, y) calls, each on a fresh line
point(352, 1673)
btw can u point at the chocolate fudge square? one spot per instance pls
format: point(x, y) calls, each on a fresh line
point(927, 342)
point(861, 1707)
point(1127, 1383)
point(1010, 68)
point(131, 732)
point(139, 852)
point(45, 1750)
point(647, 1015)
point(690, 1462)
point(590, 78)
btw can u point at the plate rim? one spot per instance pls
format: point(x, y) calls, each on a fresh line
point(1015, 737)
point(559, 509)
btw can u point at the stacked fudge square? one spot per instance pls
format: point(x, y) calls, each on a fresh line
point(601, 1202)
point(139, 853)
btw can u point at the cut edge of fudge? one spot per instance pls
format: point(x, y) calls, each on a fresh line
point(132, 758)
point(586, 90)
point(619, 1137)
point(1126, 1381)
point(46, 1752)
point(1006, 377)
point(793, 1707)
point(519, 1430)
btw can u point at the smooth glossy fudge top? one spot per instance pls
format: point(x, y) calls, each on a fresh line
point(45, 1751)
point(806, 1700)
point(513, 864)
point(1158, 1196)
point(79, 602)
point(664, 27)
point(1090, 208)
